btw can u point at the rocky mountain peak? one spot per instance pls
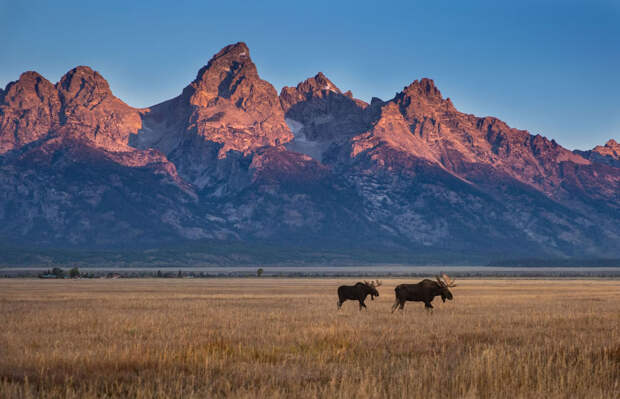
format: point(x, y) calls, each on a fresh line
point(30, 76)
point(81, 105)
point(230, 62)
point(230, 74)
point(239, 52)
point(375, 100)
point(422, 99)
point(317, 86)
point(611, 143)
point(31, 88)
point(611, 149)
point(319, 113)
point(608, 154)
point(424, 87)
point(320, 82)
point(228, 107)
point(84, 85)
point(28, 109)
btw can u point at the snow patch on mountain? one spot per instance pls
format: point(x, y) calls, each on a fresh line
point(301, 144)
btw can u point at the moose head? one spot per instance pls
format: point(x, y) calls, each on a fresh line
point(445, 283)
point(373, 288)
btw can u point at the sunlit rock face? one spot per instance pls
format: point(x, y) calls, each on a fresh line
point(608, 154)
point(29, 109)
point(80, 105)
point(227, 111)
point(230, 159)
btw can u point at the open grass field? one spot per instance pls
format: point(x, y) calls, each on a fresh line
point(249, 338)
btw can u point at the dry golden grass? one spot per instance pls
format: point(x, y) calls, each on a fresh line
point(284, 338)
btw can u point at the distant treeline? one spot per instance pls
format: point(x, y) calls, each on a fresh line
point(75, 273)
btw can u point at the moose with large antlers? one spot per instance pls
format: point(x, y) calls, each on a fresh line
point(358, 292)
point(424, 291)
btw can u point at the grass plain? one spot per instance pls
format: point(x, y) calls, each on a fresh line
point(251, 337)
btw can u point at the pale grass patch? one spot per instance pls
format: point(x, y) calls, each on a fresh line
point(264, 337)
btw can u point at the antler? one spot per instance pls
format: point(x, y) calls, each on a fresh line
point(448, 281)
point(377, 283)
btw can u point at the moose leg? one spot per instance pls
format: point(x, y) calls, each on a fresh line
point(396, 303)
point(362, 305)
point(428, 307)
point(341, 300)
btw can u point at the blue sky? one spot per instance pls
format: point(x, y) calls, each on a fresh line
point(551, 67)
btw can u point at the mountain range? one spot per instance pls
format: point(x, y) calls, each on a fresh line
point(230, 163)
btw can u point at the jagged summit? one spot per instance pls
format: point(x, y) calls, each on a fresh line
point(231, 74)
point(28, 81)
point(234, 58)
point(422, 98)
point(423, 87)
point(30, 76)
point(84, 84)
point(607, 154)
point(82, 73)
point(81, 105)
point(318, 86)
point(318, 113)
point(318, 83)
point(238, 50)
point(227, 109)
point(610, 149)
point(29, 109)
